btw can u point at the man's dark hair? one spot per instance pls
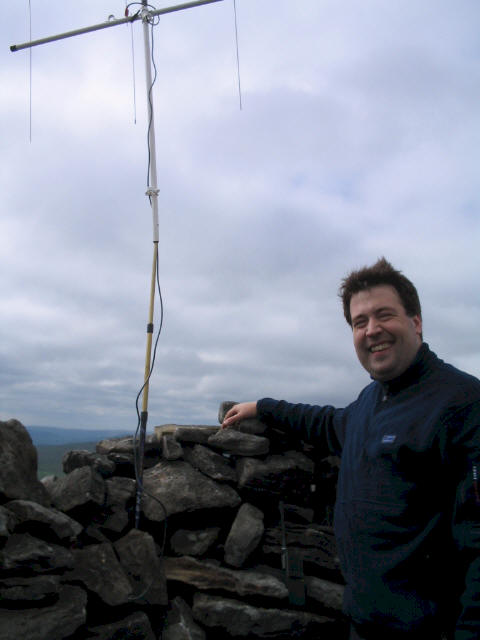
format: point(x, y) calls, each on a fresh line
point(382, 272)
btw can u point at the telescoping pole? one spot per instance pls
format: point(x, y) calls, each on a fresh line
point(152, 192)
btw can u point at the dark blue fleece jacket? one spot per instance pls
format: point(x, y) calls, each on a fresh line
point(407, 516)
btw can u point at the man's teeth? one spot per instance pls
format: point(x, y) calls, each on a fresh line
point(379, 347)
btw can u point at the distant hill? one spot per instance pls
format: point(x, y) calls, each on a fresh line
point(57, 436)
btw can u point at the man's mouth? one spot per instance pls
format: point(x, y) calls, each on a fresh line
point(379, 347)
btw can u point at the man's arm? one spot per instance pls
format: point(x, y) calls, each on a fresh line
point(320, 426)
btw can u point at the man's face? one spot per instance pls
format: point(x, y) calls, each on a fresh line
point(386, 339)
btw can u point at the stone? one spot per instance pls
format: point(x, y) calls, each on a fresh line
point(244, 536)
point(98, 569)
point(250, 425)
point(241, 620)
point(55, 622)
point(83, 458)
point(125, 445)
point(171, 448)
point(163, 430)
point(33, 589)
point(175, 487)
point(80, 488)
point(8, 520)
point(92, 535)
point(119, 502)
point(18, 465)
point(291, 472)
point(180, 624)
point(294, 513)
point(193, 543)
point(122, 452)
point(327, 593)
point(138, 557)
point(316, 544)
point(240, 444)
point(116, 521)
point(208, 575)
point(49, 482)
point(23, 552)
point(212, 464)
point(134, 627)
point(44, 520)
point(119, 491)
point(198, 434)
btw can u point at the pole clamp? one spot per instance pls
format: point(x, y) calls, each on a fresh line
point(151, 192)
point(145, 15)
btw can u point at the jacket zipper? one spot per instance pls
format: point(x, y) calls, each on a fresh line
point(475, 484)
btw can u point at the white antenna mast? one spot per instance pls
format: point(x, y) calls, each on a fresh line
point(145, 15)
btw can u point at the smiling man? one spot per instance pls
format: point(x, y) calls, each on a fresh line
point(386, 338)
point(407, 515)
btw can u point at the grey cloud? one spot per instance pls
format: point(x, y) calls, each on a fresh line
point(357, 139)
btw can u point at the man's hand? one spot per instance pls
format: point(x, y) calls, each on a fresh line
point(239, 412)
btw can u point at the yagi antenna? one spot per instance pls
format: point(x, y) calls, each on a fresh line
point(146, 15)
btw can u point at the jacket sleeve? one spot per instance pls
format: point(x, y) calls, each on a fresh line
point(466, 521)
point(320, 426)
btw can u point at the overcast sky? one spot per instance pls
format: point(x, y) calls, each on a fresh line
point(359, 137)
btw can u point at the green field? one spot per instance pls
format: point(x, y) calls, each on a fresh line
point(50, 456)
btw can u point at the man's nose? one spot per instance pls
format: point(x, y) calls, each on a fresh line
point(372, 327)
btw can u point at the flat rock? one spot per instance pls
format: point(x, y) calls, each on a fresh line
point(180, 488)
point(49, 520)
point(212, 464)
point(23, 552)
point(127, 445)
point(240, 444)
point(55, 622)
point(194, 543)
point(327, 593)
point(163, 430)
point(136, 626)
point(33, 589)
point(238, 619)
point(209, 575)
point(198, 434)
point(279, 473)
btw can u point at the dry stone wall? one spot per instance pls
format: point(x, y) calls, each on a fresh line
point(234, 539)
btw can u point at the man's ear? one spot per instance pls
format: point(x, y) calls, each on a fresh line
point(417, 322)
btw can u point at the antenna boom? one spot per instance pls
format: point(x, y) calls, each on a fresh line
point(109, 23)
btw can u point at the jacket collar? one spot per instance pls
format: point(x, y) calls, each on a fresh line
point(421, 366)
